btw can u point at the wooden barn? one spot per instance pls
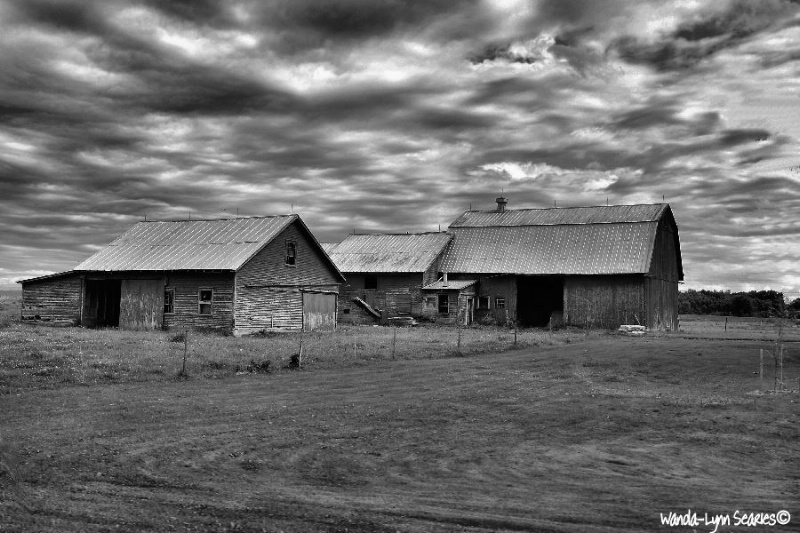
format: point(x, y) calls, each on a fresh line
point(583, 266)
point(386, 274)
point(239, 275)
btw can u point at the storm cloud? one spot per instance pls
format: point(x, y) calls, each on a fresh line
point(397, 116)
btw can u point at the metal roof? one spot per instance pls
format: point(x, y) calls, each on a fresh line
point(413, 252)
point(224, 244)
point(453, 284)
point(606, 248)
point(562, 215)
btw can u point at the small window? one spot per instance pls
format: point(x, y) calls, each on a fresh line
point(444, 304)
point(206, 298)
point(483, 302)
point(291, 253)
point(499, 303)
point(370, 281)
point(346, 311)
point(169, 301)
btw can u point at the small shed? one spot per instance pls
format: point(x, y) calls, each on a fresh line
point(240, 275)
point(450, 301)
point(386, 273)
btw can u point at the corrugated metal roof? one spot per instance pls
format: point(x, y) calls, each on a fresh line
point(328, 246)
point(389, 253)
point(561, 215)
point(453, 284)
point(604, 248)
point(224, 244)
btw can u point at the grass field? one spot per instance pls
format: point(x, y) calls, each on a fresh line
point(574, 431)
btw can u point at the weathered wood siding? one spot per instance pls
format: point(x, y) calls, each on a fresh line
point(186, 310)
point(461, 306)
point(319, 311)
point(503, 286)
point(395, 295)
point(662, 280)
point(269, 292)
point(53, 299)
point(141, 304)
point(605, 301)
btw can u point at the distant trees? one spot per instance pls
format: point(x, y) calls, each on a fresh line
point(753, 303)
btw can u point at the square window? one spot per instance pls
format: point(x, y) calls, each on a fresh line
point(499, 303)
point(444, 304)
point(483, 302)
point(370, 281)
point(169, 301)
point(291, 253)
point(205, 300)
point(346, 311)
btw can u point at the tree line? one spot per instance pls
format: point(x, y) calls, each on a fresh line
point(752, 303)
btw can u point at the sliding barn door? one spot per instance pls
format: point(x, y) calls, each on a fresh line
point(141, 304)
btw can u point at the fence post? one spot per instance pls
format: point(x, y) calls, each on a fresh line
point(185, 350)
point(761, 370)
point(394, 343)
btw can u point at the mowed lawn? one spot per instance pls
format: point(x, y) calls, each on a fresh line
point(600, 434)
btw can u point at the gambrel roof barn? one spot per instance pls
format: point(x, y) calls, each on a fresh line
point(600, 266)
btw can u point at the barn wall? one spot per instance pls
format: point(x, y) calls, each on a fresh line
point(395, 295)
point(186, 305)
point(268, 267)
point(502, 286)
point(662, 282)
point(269, 292)
point(458, 306)
point(605, 301)
point(53, 299)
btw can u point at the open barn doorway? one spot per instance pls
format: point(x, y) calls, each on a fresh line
point(538, 299)
point(101, 303)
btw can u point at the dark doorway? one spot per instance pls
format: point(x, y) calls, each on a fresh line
point(538, 298)
point(101, 303)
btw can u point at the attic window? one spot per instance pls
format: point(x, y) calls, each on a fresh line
point(370, 281)
point(291, 253)
point(483, 302)
point(205, 298)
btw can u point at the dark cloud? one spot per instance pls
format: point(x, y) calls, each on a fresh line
point(66, 15)
point(696, 40)
point(733, 137)
point(200, 12)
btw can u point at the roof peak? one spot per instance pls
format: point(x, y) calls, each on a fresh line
point(563, 208)
point(222, 219)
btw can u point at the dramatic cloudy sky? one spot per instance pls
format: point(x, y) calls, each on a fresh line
point(398, 115)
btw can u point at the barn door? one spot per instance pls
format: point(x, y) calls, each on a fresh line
point(319, 311)
point(141, 304)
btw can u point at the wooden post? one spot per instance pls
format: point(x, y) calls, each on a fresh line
point(394, 343)
point(300, 354)
point(761, 369)
point(185, 350)
point(458, 326)
point(726, 323)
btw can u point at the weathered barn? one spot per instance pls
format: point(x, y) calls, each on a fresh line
point(585, 266)
point(386, 273)
point(240, 275)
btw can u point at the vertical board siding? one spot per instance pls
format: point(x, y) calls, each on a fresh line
point(319, 311)
point(186, 308)
point(605, 301)
point(662, 283)
point(141, 304)
point(56, 299)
